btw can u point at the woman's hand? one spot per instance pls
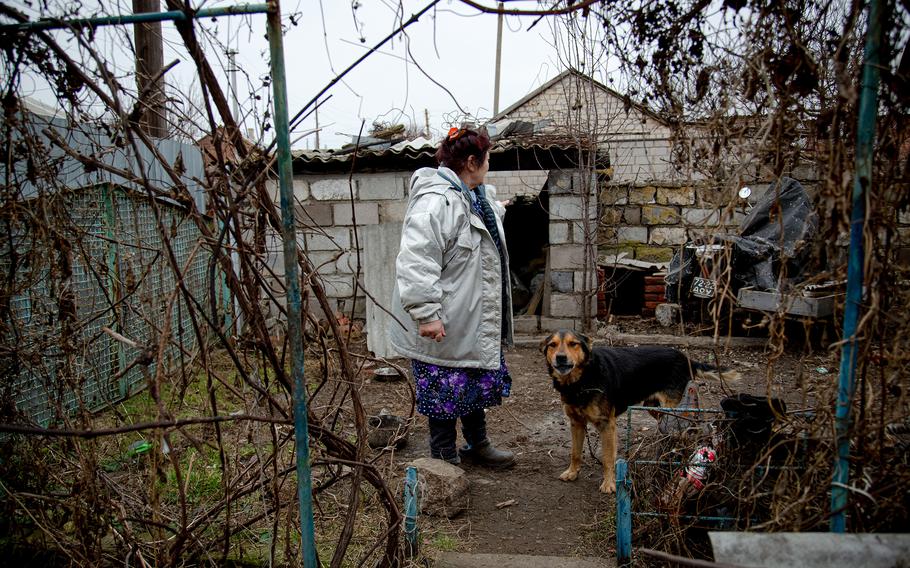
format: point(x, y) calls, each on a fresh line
point(433, 330)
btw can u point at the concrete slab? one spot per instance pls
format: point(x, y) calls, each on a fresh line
point(380, 248)
point(811, 550)
point(463, 560)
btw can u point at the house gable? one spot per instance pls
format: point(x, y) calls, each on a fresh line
point(573, 103)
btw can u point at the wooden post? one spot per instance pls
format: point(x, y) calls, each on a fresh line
point(498, 61)
point(149, 62)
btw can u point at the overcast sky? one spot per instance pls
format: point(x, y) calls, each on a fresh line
point(454, 44)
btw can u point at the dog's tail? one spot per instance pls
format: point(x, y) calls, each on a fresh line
point(706, 371)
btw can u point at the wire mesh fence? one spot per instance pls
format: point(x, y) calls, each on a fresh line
point(116, 282)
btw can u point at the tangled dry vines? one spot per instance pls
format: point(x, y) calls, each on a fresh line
point(200, 467)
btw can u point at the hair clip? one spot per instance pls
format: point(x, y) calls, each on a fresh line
point(455, 133)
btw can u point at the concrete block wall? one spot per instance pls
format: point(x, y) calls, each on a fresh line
point(326, 221)
point(512, 184)
point(571, 215)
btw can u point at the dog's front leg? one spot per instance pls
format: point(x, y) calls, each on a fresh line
point(578, 440)
point(608, 453)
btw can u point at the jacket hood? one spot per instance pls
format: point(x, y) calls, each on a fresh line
point(429, 180)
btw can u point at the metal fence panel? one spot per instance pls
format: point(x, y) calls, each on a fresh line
point(121, 278)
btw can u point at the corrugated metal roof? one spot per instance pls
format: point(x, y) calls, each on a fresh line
point(415, 148)
point(531, 152)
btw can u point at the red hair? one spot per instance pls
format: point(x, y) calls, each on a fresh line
point(460, 145)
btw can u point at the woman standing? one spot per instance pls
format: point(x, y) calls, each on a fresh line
point(452, 291)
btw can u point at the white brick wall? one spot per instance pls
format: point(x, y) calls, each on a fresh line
point(639, 146)
point(382, 186)
point(512, 184)
point(330, 238)
point(366, 213)
point(332, 189)
point(559, 232)
point(382, 198)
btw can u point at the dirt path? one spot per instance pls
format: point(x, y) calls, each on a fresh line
point(551, 517)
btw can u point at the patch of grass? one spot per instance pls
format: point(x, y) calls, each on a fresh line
point(600, 539)
point(444, 543)
point(201, 476)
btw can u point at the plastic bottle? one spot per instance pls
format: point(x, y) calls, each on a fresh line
point(690, 481)
point(696, 472)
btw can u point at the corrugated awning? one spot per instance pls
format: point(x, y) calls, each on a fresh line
point(537, 153)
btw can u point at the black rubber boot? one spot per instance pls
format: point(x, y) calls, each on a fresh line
point(442, 440)
point(487, 455)
point(478, 449)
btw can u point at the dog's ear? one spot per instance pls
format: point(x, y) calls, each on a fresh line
point(546, 340)
point(585, 341)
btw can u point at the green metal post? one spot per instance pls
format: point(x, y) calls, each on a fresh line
point(291, 275)
point(865, 139)
point(118, 351)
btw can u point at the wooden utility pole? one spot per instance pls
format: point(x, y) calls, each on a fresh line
point(316, 111)
point(149, 62)
point(498, 62)
point(426, 117)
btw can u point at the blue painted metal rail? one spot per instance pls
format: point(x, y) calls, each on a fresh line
point(624, 511)
point(865, 139)
point(410, 511)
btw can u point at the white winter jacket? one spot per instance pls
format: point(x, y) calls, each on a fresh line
point(448, 268)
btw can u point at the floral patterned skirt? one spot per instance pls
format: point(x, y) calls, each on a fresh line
point(452, 392)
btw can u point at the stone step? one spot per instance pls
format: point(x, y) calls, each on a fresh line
point(464, 560)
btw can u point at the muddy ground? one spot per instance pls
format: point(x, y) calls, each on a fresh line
point(549, 516)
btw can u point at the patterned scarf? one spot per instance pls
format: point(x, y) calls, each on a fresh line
point(481, 207)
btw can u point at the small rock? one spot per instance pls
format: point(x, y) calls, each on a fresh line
point(667, 314)
point(443, 488)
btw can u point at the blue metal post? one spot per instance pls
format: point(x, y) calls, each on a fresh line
point(292, 279)
point(865, 138)
point(410, 511)
point(623, 513)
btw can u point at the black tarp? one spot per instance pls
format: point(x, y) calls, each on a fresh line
point(774, 235)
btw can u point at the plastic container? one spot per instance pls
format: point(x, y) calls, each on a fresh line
point(691, 478)
point(697, 470)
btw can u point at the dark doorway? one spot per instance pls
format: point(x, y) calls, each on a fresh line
point(623, 291)
point(527, 227)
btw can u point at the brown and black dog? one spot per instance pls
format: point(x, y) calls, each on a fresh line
point(597, 384)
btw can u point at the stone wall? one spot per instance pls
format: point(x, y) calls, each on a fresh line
point(512, 184)
point(648, 221)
